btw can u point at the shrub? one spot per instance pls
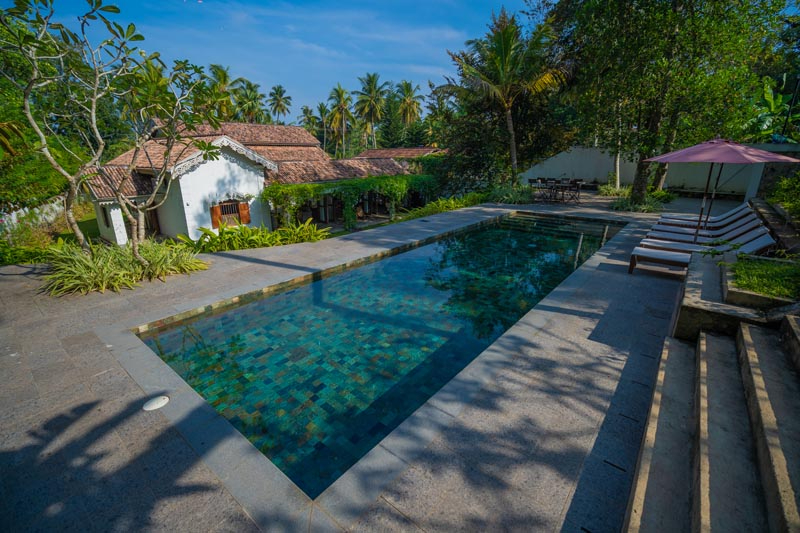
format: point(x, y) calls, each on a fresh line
point(445, 204)
point(661, 195)
point(509, 194)
point(787, 193)
point(229, 238)
point(610, 190)
point(114, 267)
point(650, 205)
point(18, 255)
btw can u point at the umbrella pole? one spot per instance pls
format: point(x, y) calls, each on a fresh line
point(713, 194)
point(703, 205)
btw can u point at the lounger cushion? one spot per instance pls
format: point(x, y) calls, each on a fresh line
point(706, 233)
point(717, 218)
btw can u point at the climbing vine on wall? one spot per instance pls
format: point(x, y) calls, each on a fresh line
point(290, 198)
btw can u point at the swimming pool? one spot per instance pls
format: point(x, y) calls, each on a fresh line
point(316, 375)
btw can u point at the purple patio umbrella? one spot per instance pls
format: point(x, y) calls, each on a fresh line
point(719, 151)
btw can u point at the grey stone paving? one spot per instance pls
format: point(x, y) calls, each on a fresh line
point(539, 433)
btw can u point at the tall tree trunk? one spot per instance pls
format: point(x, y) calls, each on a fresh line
point(672, 132)
point(656, 113)
point(619, 147)
point(344, 134)
point(639, 187)
point(660, 176)
point(512, 144)
point(69, 202)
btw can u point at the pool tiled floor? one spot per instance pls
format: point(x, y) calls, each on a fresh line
point(540, 432)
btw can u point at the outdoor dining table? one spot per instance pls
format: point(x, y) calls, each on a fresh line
point(557, 190)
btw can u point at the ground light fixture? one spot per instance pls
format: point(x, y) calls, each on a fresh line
point(155, 403)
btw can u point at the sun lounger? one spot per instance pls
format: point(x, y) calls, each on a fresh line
point(728, 236)
point(707, 225)
point(680, 216)
point(692, 247)
point(713, 233)
point(681, 259)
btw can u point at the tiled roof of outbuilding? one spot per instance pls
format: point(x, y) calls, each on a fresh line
point(399, 153)
point(333, 170)
point(104, 180)
point(258, 134)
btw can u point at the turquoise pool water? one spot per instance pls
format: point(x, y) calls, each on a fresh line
point(317, 375)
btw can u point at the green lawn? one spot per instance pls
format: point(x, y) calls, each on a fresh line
point(87, 224)
point(772, 278)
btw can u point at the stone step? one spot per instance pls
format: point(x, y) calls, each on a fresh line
point(660, 499)
point(773, 397)
point(790, 338)
point(726, 493)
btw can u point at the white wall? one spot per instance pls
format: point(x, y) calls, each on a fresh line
point(115, 232)
point(590, 164)
point(171, 219)
point(593, 164)
point(213, 181)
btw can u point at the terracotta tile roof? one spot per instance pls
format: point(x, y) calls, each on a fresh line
point(153, 153)
point(332, 170)
point(399, 153)
point(104, 180)
point(259, 134)
point(276, 143)
point(290, 153)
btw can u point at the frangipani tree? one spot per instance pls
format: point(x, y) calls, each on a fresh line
point(94, 75)
point(61, 59)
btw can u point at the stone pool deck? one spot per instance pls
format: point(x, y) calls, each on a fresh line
point(540, 432)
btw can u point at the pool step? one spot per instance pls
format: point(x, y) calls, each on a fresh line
point(660, 499)
point(745, 434)
point(522, 222)
point(726, 493)
point(773, 393)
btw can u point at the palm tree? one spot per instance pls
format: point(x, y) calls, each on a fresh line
point(279, 101)
point(340, 114)
point(505, 65)
point(250, 103)
point(221, 85)
point(409, 105)
point(370, 102)
point(309, 120)
point(324, 119)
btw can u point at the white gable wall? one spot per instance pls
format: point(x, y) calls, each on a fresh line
point(213, 181)
point(171, 218)
point(115, 232)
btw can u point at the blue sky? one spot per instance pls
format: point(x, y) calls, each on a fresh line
point(309, 46)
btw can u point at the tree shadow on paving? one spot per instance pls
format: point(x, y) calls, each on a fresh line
point(512, 458)
point(75, 472)
point(552, 439)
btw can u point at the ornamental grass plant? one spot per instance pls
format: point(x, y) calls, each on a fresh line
point(229, 238)
point(114, 267)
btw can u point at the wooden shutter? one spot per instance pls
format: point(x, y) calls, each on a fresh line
point(216, 215)
point(244, 213)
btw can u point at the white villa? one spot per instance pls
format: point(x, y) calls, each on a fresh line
point(205, 192)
